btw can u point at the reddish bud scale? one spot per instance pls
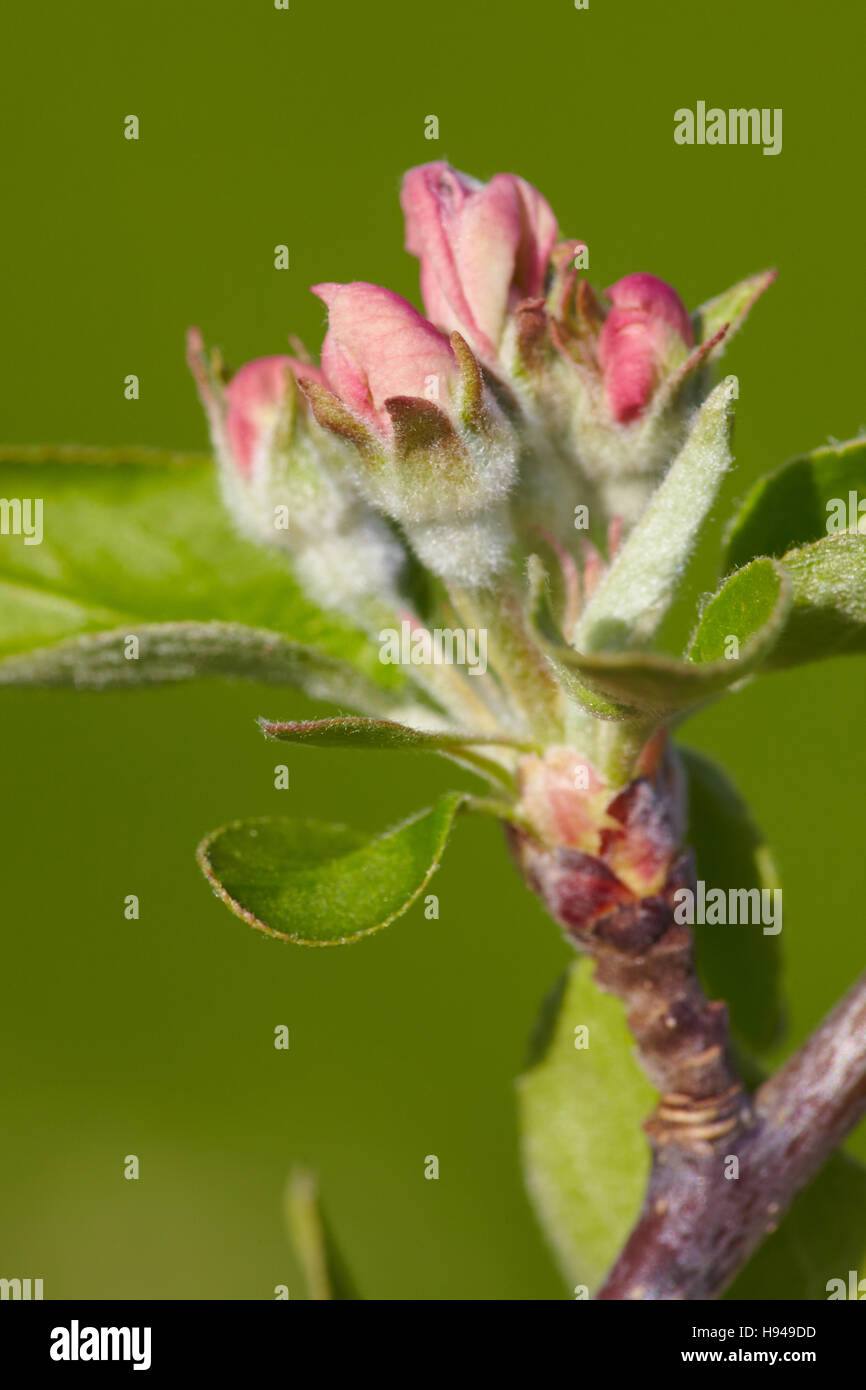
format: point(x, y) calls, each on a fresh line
point(647, 959)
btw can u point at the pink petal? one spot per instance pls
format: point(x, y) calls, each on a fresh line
point(654, 297)
point(432, 199)
point(482, 248)
point(253, 398)
point(378, 346)
point(640, 334)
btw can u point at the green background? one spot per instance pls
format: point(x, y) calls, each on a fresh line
point(155, 1037)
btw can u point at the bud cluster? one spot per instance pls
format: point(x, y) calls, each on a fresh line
point(463, 443)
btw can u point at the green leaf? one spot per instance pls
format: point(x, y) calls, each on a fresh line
point(821, 1237)
point(324, 885)
point(135, 537)
point(738, 964)
point(789, 507)
point(637, 590)
point(828, 612)
point(324, 1269)
point(585, 1155)
point(187, 651)
point(751, 607)
point(350, 731)
point(731, 307)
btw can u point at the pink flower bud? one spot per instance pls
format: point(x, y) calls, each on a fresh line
point(254, 397)
point(378, 347)
point(645, 335)
point(482, 247)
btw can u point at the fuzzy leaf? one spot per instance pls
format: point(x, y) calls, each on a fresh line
point(134, 537)
point(353, 732)
point(731, 307)
point(751, 607)
point(585, 1156)
point(828, 612)
point(637, 590)
point(324, 885)
point(789, 507)
point(738, 964)
point(188, 651)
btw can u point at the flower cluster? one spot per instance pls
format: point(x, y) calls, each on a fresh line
point(508, 444)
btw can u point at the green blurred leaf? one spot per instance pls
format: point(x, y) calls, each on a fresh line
point(736, 963)
point(133, 537)
point(828, 612)
point(324, 885)
point(324, 1269)
point(730, 307)
point(789, 507)
point(585, 1155)
point(750, 606)
point(187, 651)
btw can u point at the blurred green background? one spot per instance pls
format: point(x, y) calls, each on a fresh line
point(155, 1037)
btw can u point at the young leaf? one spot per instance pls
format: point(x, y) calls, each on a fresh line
point(828, 612)
point(736, 634)
point(747, 612)
point(638, 588)
point(790, 507)
point(739, 964)
point(324, 1270)
point(324, 885)
point(353, 732)
point(585, 1156)
point(187, 651)
point(731, 307)
point(133, 537)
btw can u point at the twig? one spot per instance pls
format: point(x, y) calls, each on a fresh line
point(698, 1226)
point(725, 1166)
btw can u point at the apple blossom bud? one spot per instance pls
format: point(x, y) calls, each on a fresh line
point(483, 248)
point(646, 335)
point(377, 347)
point(255, 397)
point(286, 480)
point(432, 448)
